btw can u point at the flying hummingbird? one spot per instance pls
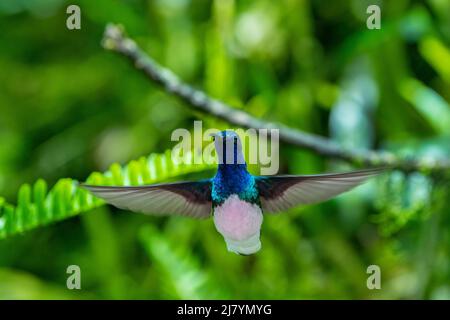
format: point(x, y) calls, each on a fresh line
point(235, 198)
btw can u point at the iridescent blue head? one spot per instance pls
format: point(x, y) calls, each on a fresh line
point(229, 148)
point(232, 176)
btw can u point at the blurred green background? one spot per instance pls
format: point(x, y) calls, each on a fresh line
point(68, 108)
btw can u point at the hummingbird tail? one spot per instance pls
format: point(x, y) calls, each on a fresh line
point(247, 246)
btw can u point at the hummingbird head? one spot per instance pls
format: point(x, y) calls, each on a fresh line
point(228, 147)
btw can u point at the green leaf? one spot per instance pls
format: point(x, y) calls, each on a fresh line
point(428, 103)
point(437, 55)
point(179, 271)
point(39, 193)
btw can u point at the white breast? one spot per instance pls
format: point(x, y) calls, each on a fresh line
point(239, 222)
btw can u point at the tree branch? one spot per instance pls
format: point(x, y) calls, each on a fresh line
point(115, 40)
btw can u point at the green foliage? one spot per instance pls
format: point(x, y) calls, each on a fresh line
point(181, 275)
point(23, 286)
point(38, 207)
point(402, 198)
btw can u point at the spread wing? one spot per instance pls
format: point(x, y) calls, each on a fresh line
point(184, 198)
point(279, 193)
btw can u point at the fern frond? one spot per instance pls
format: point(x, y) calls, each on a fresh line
point(179, 272)
point(37, 206)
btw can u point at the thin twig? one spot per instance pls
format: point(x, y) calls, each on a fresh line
point(115, 40)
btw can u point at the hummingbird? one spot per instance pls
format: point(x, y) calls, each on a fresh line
point(234, 198)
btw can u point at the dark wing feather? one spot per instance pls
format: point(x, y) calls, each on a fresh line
point(183, 198)
point(279, 193)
